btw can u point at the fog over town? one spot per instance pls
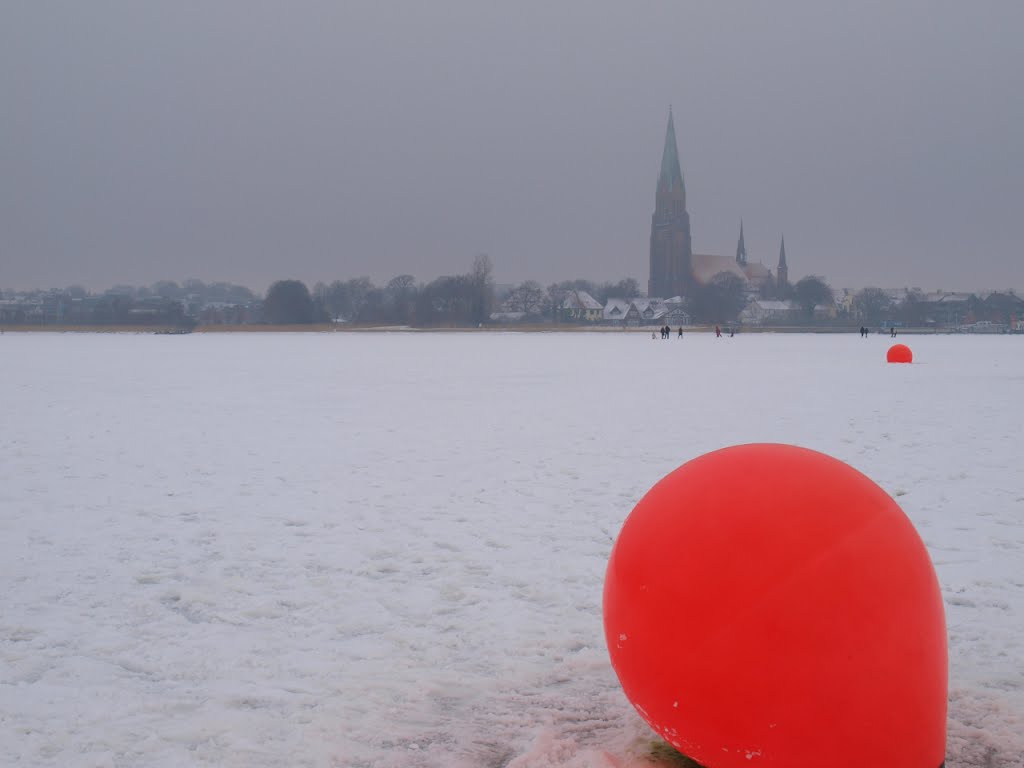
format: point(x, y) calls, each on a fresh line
point(248, 142)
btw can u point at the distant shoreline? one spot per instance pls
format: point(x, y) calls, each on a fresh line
point(533, 328)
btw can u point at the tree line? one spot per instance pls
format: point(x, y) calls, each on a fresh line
point(877, 307)
point(467, 299)
point(452, 300)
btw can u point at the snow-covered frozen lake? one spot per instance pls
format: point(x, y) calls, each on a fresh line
point(388, 549)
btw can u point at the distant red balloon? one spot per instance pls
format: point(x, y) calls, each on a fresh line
point(899, 353)
point(770, 605)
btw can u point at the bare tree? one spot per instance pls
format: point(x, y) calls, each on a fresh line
point(401, 296)
point(446, 301)
point(912, 310)
point(627, 288)
point(872, 305)
point(481, 283)
point(527, 297)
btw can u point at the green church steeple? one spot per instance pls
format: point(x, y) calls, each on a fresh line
point(782, 273)
point(671, 254)
point(741, 248)
point(671, 174)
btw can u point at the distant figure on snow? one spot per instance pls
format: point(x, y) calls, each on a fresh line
point(718, 332)
point(680, 332)
point(892, 332)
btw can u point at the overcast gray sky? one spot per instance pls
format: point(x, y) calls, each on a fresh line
point(249, 141)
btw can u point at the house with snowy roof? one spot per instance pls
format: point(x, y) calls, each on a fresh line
point(947, 308)
point(761, 311)
point(615, 310)
point(676, 313)
point(645, 312)
point(581, 306)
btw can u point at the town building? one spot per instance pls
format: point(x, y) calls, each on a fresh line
point(581, 306)
point(675, 270)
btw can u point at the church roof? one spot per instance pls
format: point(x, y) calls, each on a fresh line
point(706, 266)
point(755, 270)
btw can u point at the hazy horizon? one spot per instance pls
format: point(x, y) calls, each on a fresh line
point(253, 141)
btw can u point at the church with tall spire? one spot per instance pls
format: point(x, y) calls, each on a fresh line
point(670, 226)
point(675, 270)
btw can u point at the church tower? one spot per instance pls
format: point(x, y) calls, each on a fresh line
point(783, 270)
point(670, 226)
point(741, 248)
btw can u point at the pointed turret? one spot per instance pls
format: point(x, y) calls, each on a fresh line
point(671, 177)
point(783, 270)
point(741, 248)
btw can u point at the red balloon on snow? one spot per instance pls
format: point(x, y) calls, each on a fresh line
point(899, 353)
point(768, 604)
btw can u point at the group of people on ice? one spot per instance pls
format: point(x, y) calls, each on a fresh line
point(865, 332)
point(666, 332)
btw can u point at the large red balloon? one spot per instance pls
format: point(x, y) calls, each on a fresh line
point(770, 605)
point(899, 353)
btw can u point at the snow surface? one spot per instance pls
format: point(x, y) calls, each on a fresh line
point(389, 549)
